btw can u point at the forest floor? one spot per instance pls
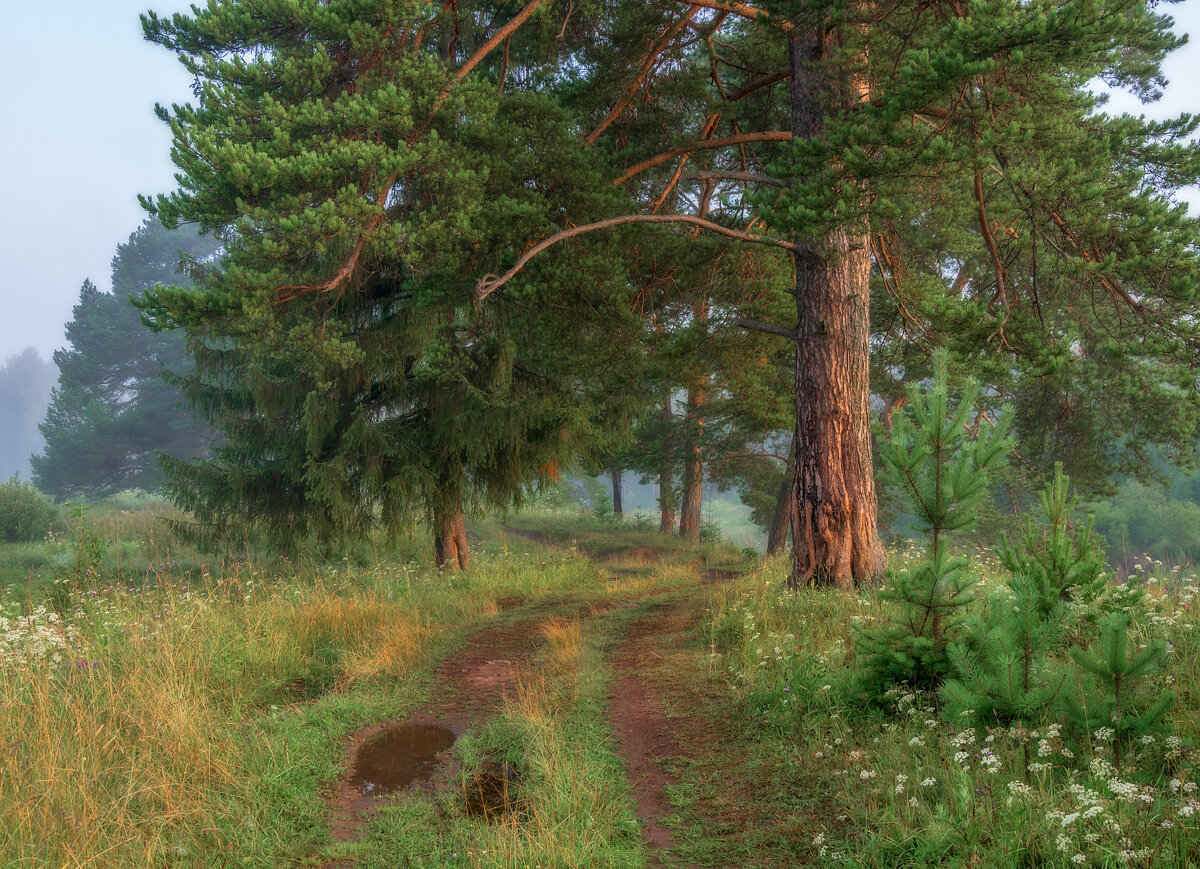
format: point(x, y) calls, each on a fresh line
point(590, 694)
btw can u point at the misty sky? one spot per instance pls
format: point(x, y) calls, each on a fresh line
point(79, 141)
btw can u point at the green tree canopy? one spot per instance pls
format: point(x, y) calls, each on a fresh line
point(363, 168)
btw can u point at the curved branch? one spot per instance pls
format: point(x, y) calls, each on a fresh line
point(743, 139)
point(488, 284)
point(745, 10)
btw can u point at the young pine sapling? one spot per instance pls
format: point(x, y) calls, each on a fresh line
point(938, 458)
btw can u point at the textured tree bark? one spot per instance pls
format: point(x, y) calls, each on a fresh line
point(693, 464)
point(835, 538)
point(666, 477)
point(616, 487)
point(781, 522)
point(450, 537)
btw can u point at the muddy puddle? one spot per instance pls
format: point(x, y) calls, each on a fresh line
point(399, 757)
point(491, 792)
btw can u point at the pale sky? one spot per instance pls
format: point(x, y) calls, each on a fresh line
point(79, 141)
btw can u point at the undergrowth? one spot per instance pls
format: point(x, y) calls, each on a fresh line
point(909, 785)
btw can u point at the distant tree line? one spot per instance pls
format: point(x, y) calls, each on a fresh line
point(115, 410)
point(25, 383)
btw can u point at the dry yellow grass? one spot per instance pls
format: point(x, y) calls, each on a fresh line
point(564, 641)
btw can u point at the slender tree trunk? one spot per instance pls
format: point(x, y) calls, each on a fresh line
point(450, 536)
point(666, 477)
point(781, 522)
point(615, 472)
point(835, 538)
point(693, 464)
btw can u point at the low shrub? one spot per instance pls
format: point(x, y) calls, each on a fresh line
point(25, 513)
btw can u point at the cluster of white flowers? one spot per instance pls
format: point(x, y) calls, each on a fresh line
point(38, 636)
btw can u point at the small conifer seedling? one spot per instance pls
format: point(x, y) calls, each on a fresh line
point(1114, 706)
point(938, 458)
point(1059, 559)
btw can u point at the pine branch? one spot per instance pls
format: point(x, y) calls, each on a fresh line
point(488, 284)
point(746, 11)
point(768, 328)
point(712, 144)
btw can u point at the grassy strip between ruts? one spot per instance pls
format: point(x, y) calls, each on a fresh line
point(569, 802)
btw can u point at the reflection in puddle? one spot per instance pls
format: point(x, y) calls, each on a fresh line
point(396, 758)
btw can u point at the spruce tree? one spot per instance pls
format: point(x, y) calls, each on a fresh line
point(938, 458)
point(363, 164)
point(113, 413)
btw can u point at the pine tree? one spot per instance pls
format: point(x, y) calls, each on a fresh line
point(1113, 706)
point(1002, 671)
point(1060, 561)
point(113, 413)
point(956, 151)
point(938, 458)
point(363, 168)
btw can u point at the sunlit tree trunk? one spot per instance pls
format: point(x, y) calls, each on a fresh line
point(835, 539)
point(450, 535)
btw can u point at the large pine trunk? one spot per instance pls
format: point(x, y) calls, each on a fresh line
point(692, 498)
point(615, 474)
point(835, 538)
point(450, 536)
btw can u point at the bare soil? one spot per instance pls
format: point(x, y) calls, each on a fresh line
point(645, 738)
point(471, 685)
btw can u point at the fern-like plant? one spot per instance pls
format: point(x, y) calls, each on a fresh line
point(938, 459)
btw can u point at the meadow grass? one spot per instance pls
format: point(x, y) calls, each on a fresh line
point(904, 786)
point(190, 717)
